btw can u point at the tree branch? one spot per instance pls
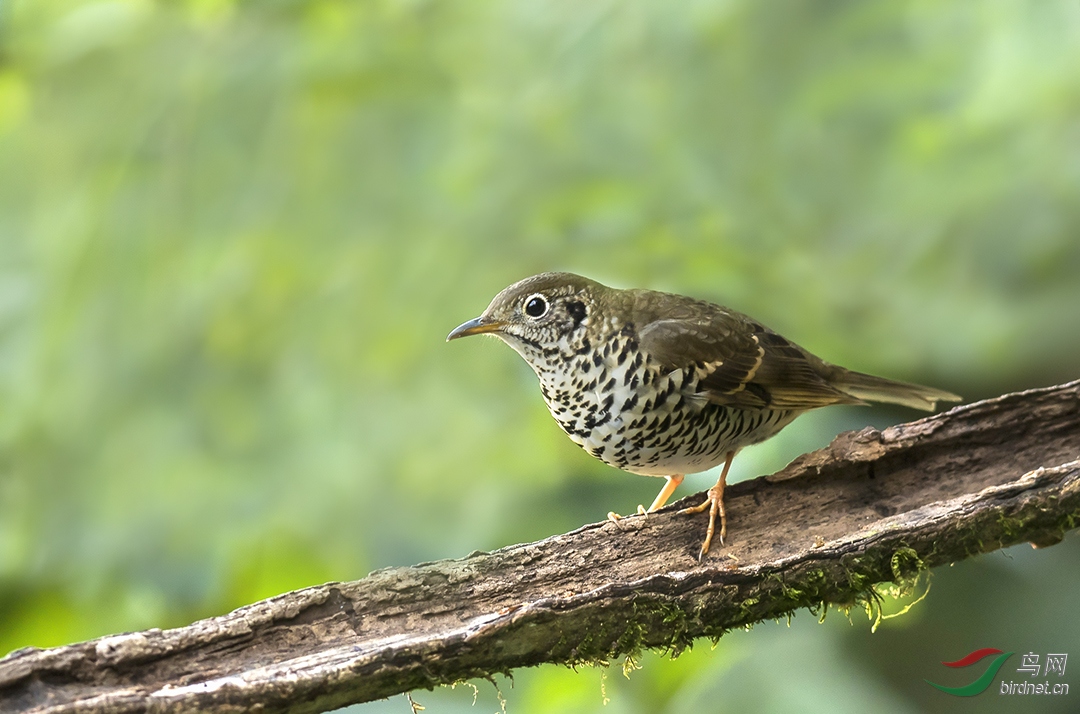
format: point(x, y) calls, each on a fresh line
point(871, 507)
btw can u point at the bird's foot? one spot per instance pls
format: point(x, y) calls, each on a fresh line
point(615, 517)
point(715, 503)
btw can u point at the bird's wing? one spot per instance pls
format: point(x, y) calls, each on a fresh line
point(748, 366)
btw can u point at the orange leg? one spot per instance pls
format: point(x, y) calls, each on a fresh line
point(673, 482)
point(715, 503)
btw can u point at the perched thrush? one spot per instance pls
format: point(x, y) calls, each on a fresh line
point(666, 385)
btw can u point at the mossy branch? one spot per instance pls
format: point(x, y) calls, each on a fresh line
point(872, 507)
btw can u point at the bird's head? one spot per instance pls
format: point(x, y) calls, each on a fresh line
point(544, 311)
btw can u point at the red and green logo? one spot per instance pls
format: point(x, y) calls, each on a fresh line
point(979, 685)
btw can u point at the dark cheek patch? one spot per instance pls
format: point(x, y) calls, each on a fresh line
point(576, 308)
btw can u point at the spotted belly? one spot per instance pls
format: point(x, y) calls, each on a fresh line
point(680, 441)
point(638, 419)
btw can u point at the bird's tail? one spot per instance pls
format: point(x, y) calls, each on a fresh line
point(879, 389)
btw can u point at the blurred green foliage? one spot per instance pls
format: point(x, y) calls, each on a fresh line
point(234, 234)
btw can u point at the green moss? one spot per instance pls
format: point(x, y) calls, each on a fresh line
point(1009, 527)
point(906, 565)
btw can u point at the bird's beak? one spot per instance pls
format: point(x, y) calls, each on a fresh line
point(476, 326)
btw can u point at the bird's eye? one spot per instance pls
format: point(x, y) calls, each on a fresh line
point(536, 306)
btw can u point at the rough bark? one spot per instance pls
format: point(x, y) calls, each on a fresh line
point(871, 507)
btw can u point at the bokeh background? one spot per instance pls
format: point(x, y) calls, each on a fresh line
point(233, 236)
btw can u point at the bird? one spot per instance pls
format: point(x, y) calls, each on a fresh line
point(665, 385)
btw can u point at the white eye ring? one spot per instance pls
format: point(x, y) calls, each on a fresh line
point(535, 306)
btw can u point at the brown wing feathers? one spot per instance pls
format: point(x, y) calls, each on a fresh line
point(750, 366)
point(731, 357)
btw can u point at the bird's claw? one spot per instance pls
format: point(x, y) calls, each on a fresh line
point(715, 503)
point(617, 519)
